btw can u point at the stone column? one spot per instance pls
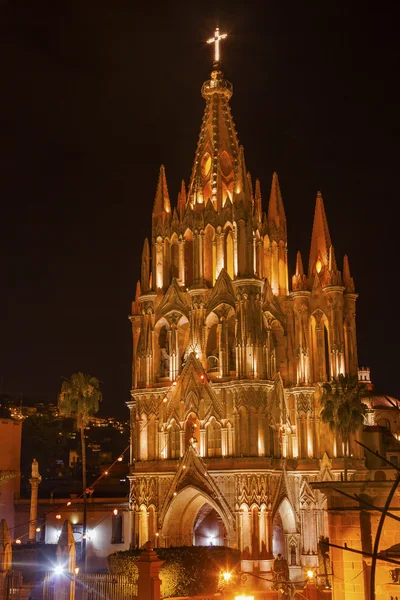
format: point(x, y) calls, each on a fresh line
point(5, 557)
point(34, 481)
point(149, 583)
point(64, 583)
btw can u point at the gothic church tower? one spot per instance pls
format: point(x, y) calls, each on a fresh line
point(228, 362)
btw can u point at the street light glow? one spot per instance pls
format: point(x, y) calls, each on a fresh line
point(227, 576)
point(58, 570)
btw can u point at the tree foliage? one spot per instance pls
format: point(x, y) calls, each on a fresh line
point(80, 398)
point(187, 570)
point(342, 407)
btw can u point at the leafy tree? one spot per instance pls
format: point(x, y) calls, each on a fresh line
point(79, 399)
point(343, 409)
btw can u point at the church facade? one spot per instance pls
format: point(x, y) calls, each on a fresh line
point(229, 355)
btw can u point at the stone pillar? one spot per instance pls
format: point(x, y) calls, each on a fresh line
point(34, 481)
point(149, 583)
point(5, 557)
point(64, 583)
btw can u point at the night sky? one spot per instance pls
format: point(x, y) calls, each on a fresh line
point(95, 95)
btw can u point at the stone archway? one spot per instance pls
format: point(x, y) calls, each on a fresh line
point(286, 538)
point(195, 519)
point(284, 525)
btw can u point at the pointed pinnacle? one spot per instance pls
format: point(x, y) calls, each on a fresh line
point(138, 291)
point(276, 211)
point(258, 200)
point(347, 278)
point(161, 200)
point(320, 239)
point(243, 179)
point(346, 268)
point(332, 259)
point(146, 248)
point(299, 264)
point(181, 205)
point(250, 183)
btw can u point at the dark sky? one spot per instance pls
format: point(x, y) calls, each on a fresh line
point(95, 95)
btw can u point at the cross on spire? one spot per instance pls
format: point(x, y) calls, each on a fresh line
point(216, 40)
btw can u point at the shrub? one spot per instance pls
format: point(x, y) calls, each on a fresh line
point(187, 570)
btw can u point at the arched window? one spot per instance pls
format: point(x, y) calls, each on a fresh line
point(174, 440)
point(188, 258)
point(229, 262)
point(174, 257)
point(326, 348)
point(214, 439)
point(209, 260)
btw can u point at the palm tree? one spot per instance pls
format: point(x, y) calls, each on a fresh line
point(343, 409)
point(79, 399)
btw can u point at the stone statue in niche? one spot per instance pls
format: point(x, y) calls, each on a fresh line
point(280, 570)
point(164, 359)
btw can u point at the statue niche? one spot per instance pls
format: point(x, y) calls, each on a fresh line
point(163, 343)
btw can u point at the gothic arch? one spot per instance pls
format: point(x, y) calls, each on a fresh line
point(174, 251)
point(214, 438)
point(174, 444)
point(209, 255)
point(229, 254)
point(320, 346)
point(177, 527)
point(188, 257)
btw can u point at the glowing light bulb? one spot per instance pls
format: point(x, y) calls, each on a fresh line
point(310, 574)
point(227, 576)
point(157, 534)
point(18, 541)
point(174, 383)
point(69, 503)
point(318, 266)
point(105, 472)
point(76, 570)
point(165, 399)
point(58, 516)
point(38, 529)
point(174, 493)
point(115, 511)
point(58, 570)
point(120, 458)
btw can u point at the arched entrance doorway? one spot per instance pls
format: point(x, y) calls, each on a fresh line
point(194, 519)
point(284, 532)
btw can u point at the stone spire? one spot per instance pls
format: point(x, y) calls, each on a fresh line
point(162, 203)
point(258, 201)
point(145, 270)
point(216, 170)
point(299, 280)
point(320, 240)
point(181, 205)
point(276, 213)
point(347, 278)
